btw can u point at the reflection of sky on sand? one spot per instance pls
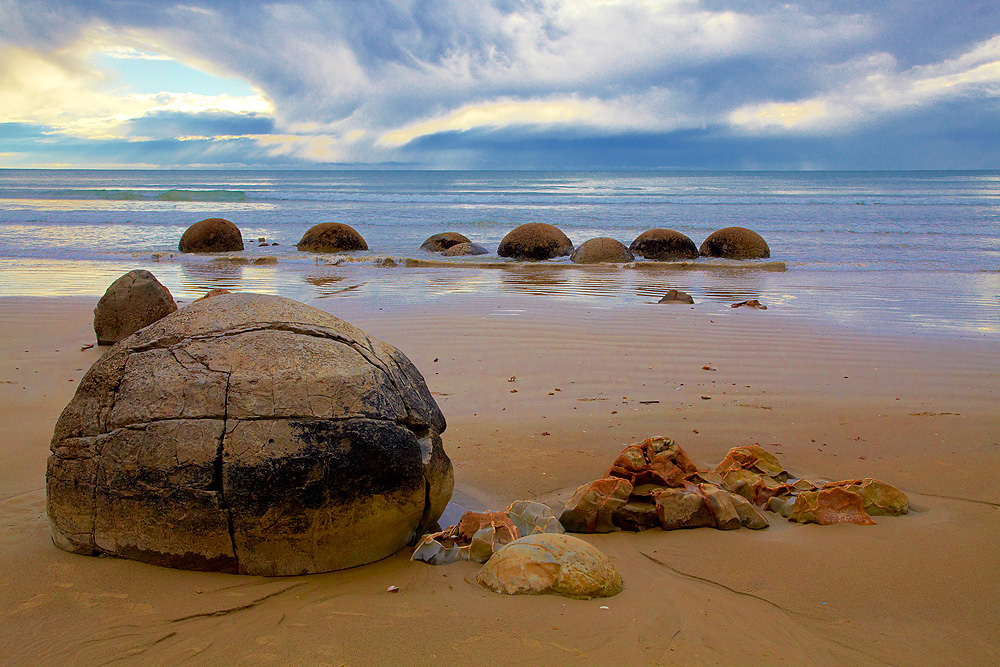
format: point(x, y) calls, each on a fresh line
point(889, 302)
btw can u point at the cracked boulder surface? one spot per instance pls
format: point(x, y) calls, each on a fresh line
point(248, 434)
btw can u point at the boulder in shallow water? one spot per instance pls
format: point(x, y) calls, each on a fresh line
point(331, 237)
point(464, 250)
point(735, 243)
point(443, 241)
point(602, 250)
point(663, 245)
point(546, 563)
point(676, 296)
point(535, 241)
point(252, 434)
point(211, 235)
point(135, 300)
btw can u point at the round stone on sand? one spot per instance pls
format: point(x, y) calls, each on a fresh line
point(443, 241)
point(663, 245)
point(535, 241)
point(551, 563)
point(602, 250)
point(211, 235)
point(130, 303)
point(735, 243)
point(331, 237)
point(248, 434)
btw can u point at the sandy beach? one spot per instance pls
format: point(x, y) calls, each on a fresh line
point(540, 395)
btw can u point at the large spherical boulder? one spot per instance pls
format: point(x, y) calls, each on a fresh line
point(211, 235)
point(551, 563)
point(130, 303)
point(443, 241)
point(251, 434)
point(535, 241)
point(663, 245)
point(331, 237)
point(602, 250)
point(735, 243)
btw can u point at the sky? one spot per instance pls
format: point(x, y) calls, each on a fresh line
point(501, 84)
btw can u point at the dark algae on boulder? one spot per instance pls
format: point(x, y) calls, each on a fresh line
point(535, 241)
point(331, 237)
point(252, 434)
point(663, 245)
point(443, 241)
point(735, 243)
point(211, 235)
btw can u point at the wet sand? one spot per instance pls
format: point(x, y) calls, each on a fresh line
point(917, 412)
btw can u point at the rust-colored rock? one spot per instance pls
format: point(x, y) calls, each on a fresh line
point(735, 243)
point(879, 498)
point(535, 241)
point(829, 506)
point(602, 250)
point(593, 505)
point(331, 237)
point(211, 235)
point(659, 461)
point(663, 245)
point(443, 241)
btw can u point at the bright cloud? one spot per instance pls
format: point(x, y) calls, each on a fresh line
point(976, 73)
point(362, 81)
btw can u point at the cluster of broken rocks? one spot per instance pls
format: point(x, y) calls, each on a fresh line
point(655, 484)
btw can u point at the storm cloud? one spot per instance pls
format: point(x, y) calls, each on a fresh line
point(514, 83)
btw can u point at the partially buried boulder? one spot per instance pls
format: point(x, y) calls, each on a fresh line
point(735, 243)
point(211, 235)
point(443, 241)
point(252, 434)
point(663, 245)
point(535, 241)
point(331, 237)
point(602, 250)
point(463, 249)
point(133, 301)
point(551, 563)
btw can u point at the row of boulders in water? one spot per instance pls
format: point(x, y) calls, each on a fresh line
point(533, 241)
point(650, 484)
point(536, 241)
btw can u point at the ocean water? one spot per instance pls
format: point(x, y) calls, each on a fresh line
point(884, 252)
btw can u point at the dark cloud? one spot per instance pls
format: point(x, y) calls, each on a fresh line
point(178, 124)
point(679, 69)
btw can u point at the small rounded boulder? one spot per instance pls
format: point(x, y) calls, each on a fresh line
point(551, 563)
point(464, 249)
point(331, 237)
point(443, 241)
point(248, 434)
point(211, 235)
point(735, 243)
point(535, 241)
point(602, 250)
point(135, 300)
point(663, 245)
